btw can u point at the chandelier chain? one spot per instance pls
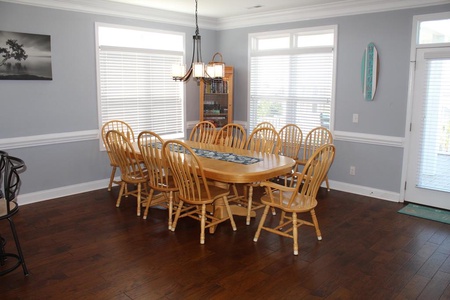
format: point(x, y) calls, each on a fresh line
point(196, 19)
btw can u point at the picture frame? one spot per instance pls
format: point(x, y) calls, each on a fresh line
point(25, 56)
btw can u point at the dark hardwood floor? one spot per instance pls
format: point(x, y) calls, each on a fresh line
point(83, 247)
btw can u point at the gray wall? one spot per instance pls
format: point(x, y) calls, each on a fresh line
point(377, 166)
point(68, 103)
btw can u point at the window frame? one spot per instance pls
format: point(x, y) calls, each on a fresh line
point(415, 42)
point(294, 49)
point(146, 50)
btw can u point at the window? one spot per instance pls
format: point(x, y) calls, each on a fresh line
point(134, 79)
point(291, 77)
point(434, 32)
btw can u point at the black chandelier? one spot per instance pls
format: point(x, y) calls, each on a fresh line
point(200, 71)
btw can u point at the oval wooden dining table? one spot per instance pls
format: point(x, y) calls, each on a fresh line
point(267, 166)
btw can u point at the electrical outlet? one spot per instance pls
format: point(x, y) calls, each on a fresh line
point(352, 170)
point(355, 118)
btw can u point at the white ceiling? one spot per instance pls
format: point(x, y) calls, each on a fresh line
point(234, 8)
point(227, 8)
point(227, 14)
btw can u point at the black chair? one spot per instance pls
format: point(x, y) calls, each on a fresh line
point(9, 175)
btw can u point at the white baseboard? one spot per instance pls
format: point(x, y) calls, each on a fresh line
point(102, 184)
point(365, 191)
point(62, 191)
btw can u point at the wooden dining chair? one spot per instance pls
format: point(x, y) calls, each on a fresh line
point(298, 198)
point(160, 178)
point(265, 140)
point(232, 135)
point(291, 141)
point(264, 125)
point(131, 167)
point(194, 189)
point(120, 126)
point(203, 132)
point(314, 139)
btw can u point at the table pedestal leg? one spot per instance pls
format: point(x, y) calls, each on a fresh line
point(220, 212)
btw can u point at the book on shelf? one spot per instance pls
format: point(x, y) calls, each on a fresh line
point(216, 87)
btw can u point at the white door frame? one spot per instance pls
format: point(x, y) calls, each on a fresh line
point(412, 72)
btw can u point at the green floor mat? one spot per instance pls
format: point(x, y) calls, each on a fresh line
point(425, 212)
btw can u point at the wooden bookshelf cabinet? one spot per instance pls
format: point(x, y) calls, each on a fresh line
point(216, 99)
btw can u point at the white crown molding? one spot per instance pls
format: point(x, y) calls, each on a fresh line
point(341, 8)
point(121, 10)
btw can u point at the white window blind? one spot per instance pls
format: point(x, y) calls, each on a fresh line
point(293, 86)
point(434, 158)
point(135, 82)
point(138, 89)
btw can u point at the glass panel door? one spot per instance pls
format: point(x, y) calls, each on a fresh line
point(428, 176)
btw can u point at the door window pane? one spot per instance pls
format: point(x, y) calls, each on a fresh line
point(434, 157)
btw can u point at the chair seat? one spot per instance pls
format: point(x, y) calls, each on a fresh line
point(216, 192)
point(169, 187)
point(3, 210)
point(136, 177)
point(161, 199)
point(301, 203)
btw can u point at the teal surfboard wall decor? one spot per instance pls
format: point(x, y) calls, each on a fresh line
point(369, 71)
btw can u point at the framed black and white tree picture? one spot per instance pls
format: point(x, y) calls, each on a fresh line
point(25, 56)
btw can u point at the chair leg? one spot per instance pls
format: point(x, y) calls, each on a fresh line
point(138, 200)
point(316, 224)
point(283, 215)
point(249, 205)
point(327, 183)
point(295, 232)
point(2, 251)
point(111, 179)
point(235, 191)
point(170, 209)
point(149, 201)
point(19, 249)
point(202, 224)
point(261, 223)
point(177, 214)
point(230, 215)
point(274, 212)
point(122, 188)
